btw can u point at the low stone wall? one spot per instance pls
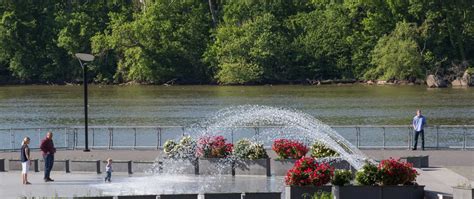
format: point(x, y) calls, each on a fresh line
point(417, 161)
point(261, 195)
point(222, 195)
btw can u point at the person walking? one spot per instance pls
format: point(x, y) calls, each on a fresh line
point(419, 122)
point(47, 147)
point(25, 160)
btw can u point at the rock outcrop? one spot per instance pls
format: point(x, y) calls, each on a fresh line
point(435, 82)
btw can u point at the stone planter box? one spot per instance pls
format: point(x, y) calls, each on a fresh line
point(222, 195)
point(179, 166)
point(463, 193)
point(16, 165)
point(3, 165)
point(418, 161)
point(261, 195)
point(179, 196)
point(142, 166)
point(297, 192)
point(214, 166)
point(87, 166)
point(379, 192)
point(281, 167)
point(252, 167)
point(59, 165)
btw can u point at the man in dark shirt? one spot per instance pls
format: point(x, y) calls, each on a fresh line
point(47, 147)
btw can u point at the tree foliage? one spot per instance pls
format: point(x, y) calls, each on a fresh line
point(234, 42)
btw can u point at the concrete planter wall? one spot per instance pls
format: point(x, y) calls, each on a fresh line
point(463, 193)
point(212, 166)
point(186, 166)
point(178, 196)
point(3, 165)
point(222, 195)
point(252, 167)
point(281, 167)
point(378, 192)
point(137, 197)
point(16, 165)
point(87, 166)
point(59, 165)
point(261, 195)
point(297, 192)
point(142, 166)
point(418, 161)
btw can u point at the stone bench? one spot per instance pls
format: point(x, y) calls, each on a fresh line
point(417, 161)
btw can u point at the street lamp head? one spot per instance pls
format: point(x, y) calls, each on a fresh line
point(85, 57)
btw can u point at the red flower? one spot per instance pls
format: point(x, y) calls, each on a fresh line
point(286, 149)
point(307, 171)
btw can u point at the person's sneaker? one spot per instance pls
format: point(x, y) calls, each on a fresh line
point(50, 179)
point(413, 149)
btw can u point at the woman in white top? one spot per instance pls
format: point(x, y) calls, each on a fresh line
point(25, 159)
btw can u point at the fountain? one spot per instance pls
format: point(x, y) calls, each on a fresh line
point(290, 124)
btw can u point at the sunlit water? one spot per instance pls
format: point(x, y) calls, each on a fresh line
point(46, 106)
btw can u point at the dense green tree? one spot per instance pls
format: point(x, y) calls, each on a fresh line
point(397, 55)
point(28, 43)
point(252, 52)
point(165, 41)
point(234, 42)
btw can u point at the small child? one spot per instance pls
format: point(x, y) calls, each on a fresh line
point(108, 170)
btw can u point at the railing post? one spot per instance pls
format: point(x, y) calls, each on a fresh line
point(111, 138)
point(465, 138)
point(74, 137)
point(134, 138)
point(93, 138)
point(109, 144)
point(159, 136)
point(232, 135)
point(65, 138)
point(437, 137)
point(358, 136)
point(383, 138)
point(39, 137)
point(11, 140)
point(256, 133)
point(182, 129)
point(409, 137)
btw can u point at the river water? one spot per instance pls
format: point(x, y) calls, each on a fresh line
point(49, 106)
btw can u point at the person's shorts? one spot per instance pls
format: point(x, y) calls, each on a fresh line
point(25, 167)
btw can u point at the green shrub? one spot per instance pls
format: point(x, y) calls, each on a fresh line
point(342, 177)
point(246, 149)
point(185, 149)
point(319, 150)
point(368, 175)
point(318, 195)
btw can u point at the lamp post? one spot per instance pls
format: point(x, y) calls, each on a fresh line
point(87, 58)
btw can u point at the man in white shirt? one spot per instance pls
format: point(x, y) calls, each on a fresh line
point(419, 122)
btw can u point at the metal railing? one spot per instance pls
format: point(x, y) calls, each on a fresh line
point(153, 137)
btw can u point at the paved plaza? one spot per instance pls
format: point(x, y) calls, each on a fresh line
point(447, 169)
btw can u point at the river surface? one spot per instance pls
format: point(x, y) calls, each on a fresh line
point(50, 106)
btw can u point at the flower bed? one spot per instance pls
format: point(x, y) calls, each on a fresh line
point(288, 152)
point(308, 177)
point(213, 153)
point(389, 180)
point(250, 158)
point(289, 149)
